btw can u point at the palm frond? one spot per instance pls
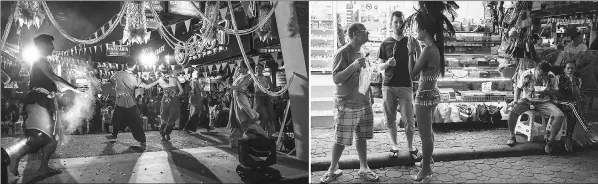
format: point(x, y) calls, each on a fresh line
point(433, 13)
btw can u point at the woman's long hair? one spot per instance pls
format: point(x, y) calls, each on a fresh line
point(432, 18)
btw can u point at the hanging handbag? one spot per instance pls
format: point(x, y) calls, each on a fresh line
point(524, 20)
point(511, 16)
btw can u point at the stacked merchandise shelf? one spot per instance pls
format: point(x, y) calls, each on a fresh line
point(477, 82)
point(322, 36)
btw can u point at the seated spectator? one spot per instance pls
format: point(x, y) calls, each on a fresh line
point(536, 88)
point(568, 101)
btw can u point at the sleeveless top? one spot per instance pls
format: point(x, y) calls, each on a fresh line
point(429, 74)
point(37, 79)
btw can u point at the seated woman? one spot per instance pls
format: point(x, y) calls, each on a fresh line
point(568, 101)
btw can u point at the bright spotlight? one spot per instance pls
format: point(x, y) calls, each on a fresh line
point(30, 54)
point(148, 59)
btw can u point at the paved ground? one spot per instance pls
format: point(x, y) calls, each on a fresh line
point(188, 158)
point(454, 135)
point(579, 167)
point(322, 139)
point(198, 165)
point(97, 145)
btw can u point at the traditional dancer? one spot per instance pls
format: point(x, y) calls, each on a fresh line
point(568, 101)
point(243, 117)
point(262, 103)
point(42, 131)
point(196, 104)
point(170, 110)
point(126, 114)
point(430, 66)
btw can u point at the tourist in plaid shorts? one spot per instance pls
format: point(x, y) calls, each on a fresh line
point(353, 111)
point(353, 119)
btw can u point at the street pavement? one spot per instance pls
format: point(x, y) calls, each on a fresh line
point(188, 158)
point(579, 167)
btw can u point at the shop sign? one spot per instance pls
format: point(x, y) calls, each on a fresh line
point(183, 8)
point(117, 50)
point(156, 5)
point(159, 50)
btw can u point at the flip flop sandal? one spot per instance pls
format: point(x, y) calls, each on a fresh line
point(512, 141)
point(418, 178)
point(416, 154)
point(394, 152)
point(331, 176)
point(369, 176)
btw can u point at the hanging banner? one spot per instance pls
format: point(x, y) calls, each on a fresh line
point(274, 55)
point(95, 35)
point(231, 66)
point(173, 27)
point(217, 67)
point(223, 65)
point(184, 8)
point(103, 30)
point(256, 59)
point(117, 50)
point(223, 12)
point(245, 5)
point(187, 24)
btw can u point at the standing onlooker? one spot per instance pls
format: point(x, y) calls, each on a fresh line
point(575, 47)
point(397, 90)
point(353, 111)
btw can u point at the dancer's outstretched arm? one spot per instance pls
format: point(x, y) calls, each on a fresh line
point(45, 68)
point(147, 86)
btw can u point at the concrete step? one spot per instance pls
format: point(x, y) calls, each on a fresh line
point(322, 118)
point(321, 103)
point(322, 91)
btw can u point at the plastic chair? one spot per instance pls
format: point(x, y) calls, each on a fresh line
point(530, 127)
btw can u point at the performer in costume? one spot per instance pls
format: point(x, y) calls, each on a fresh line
point(243, 117)
point(196, 104)
point(262, 102)
point(42, 131)
point(126, 114)
point(170, 110)
point(430, 20)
